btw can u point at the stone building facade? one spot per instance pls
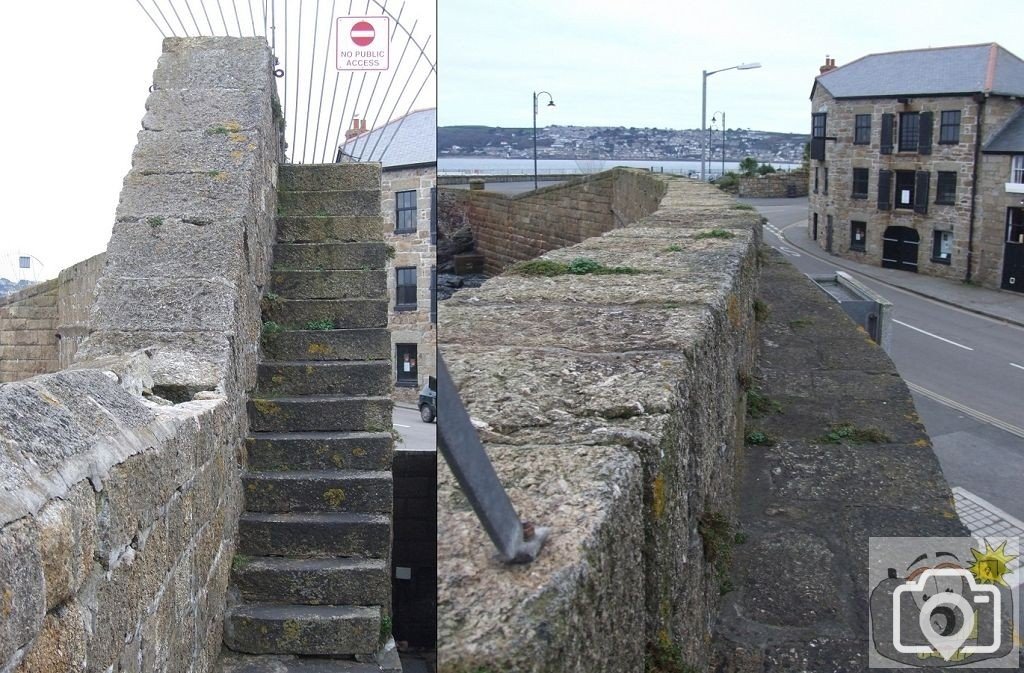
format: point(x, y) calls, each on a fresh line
point(406, 149)
point(911, 162)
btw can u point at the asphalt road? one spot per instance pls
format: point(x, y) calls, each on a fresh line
point(965, 371)
point(416, 435)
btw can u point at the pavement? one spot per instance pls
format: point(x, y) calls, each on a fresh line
point(834, 456)
point(997, 304)
point(982, 517)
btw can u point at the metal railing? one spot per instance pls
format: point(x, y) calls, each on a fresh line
point(517, 542)
point(318, 109)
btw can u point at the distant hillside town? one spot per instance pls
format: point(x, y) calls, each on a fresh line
point(9, 286)
point(617, 142)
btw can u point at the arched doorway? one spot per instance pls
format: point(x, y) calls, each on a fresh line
point(899, 248)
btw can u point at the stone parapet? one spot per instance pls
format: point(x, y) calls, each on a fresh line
point(509, 229)
point(611, 408)
point(774, 185)
point(121, 488)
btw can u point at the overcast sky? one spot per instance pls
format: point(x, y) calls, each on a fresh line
point(77, 75)
point(639, 63)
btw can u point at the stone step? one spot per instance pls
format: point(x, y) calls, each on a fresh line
point(352, 229)
point(350, 284)
point(328, 345)
point(327, 177)
point(280, 451)
point(301, 314)
point(330, 256)
point(275, 377)
point(269, 628)
point(326, 581)
point(233, 662)
point(320, 413)
point(347, 202)
point(318, 491)
point(314, 535)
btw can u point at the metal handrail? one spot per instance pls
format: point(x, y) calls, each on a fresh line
point(517, 542)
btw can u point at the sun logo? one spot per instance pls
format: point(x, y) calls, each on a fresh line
point(990, 567)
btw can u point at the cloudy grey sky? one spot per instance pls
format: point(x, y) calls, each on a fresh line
point(77, 75)
point(639, 63)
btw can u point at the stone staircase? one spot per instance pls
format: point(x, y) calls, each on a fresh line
point(311, 578)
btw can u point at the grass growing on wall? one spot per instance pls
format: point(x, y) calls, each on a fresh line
point(578, 267)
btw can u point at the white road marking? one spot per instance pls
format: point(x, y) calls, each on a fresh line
point(784, 249)
point(1014, 364)
point(934, 336)
point(399, 425)
point(893, 288)
point(973, 413)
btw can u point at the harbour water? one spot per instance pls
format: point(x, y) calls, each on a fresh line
point(495, 166)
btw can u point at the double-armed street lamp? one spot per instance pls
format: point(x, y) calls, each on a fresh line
point(704, 110)
point(551, 103)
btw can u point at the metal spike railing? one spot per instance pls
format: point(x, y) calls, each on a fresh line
point(305, 58)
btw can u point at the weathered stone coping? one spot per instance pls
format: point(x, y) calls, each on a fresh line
point(57, 430)
point(608, 406)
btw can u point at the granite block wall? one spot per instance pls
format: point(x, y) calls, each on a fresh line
point(612, 409)
point(783, 184)
point(120, 481)
point(508, 229)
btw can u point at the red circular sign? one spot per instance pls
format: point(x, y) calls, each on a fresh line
point(362, 33)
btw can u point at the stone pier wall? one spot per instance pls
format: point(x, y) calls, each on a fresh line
point(612, 409)
point(509, 229)
point(120, 481)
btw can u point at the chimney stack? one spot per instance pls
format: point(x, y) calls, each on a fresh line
point(830, 64)
point(358, 128)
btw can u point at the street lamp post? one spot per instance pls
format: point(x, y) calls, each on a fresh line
point(704, 110)
point(723, 143)
point(551, 103)
point(714, 120)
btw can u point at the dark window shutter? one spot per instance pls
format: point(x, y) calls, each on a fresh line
point(924, 142)
point(886, 139)
point(921, 191)
point(884, 189)
point(818, 149)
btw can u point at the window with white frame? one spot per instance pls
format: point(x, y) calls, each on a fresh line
point(1017, 169)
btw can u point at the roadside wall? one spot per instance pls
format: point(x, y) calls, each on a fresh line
point(611, 407)
point(118, 508)
point(774, 185)
point(509, 229)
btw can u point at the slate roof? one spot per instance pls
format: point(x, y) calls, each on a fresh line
point(1010, 138)
point(406, 141)
point(974, 68)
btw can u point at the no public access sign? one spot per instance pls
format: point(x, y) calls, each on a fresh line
point(363, 42)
